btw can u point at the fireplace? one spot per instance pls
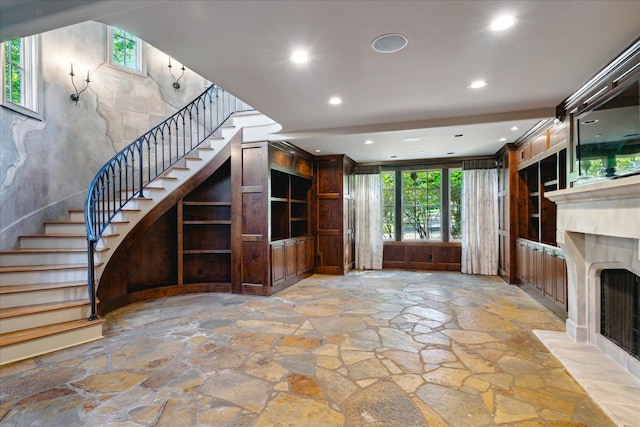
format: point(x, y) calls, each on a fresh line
point(620, 309)
point(599, 232)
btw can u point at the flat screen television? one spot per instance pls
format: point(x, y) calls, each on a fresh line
point(608, 137)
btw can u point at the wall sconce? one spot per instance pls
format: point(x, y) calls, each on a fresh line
point(176, 85)
point(76, 96)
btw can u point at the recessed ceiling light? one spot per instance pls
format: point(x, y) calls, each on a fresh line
point(411, 139)
point(299, 57)
point(389, 43)
point(368, 142)
point(421, 151)
point(590, 122)
point(502, 139)
point(458, 135)
point(597, 135)
point(451, 152)
point(503, 22)
point(335, 100)
point(478, 84)
point(515, 128)
point(318, 151)
point(394, 157)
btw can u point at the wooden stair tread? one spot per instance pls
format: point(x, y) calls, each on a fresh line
point(23, 268)
point(42, 251)
point(13, 289)
point(206, 148)
point(48, 251)
point(57, 236)
point(11, 338)
point(24, 310)
point(170, 178)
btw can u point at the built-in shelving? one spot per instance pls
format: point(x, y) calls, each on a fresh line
point(204, 231)
point(289, 205)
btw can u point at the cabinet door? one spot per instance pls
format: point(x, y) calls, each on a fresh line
point(310, 253)
point(301, 256)
point(290, 259)
point(277, 264)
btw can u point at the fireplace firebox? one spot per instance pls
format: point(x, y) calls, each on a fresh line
point(620, 309)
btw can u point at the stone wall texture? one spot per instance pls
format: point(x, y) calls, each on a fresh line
point(46, 165)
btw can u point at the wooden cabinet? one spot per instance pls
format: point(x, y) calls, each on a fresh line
point(271, 233)
point(540, 267)
point(542, 272)
point(335, 243)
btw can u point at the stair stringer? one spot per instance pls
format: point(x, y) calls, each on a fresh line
point(165, 191)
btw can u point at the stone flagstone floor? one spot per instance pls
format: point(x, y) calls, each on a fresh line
point(385, 348)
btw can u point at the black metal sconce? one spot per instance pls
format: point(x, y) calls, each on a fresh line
point(176, 84)
point(76, 96)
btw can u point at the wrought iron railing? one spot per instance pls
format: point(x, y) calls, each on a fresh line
point(126, 175)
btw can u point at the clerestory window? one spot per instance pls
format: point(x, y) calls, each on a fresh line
point(125, 50)
point(22, 76)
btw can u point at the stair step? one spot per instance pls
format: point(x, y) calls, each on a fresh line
point(7, 313)
point(168, 178)
point(33, 316)
point(20, 345)
point(42, 293)
point(33, 274)
point(75, 227)
point(59, 241)
point(27, 268)
point(18, 257)
point(11, 289)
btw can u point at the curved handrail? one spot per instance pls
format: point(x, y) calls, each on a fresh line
point(128, 172)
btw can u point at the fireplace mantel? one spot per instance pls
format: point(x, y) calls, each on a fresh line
point(608, 208)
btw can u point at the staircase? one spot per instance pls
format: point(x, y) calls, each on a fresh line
point(44, 300)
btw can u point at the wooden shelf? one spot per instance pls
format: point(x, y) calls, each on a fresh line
point(534, 194)
point(208, 222)
point(188, 203)
point(206, 251)
point(550, 183)
point(279, 199)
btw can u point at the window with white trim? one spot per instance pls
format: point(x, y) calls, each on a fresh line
point(125, 50)
point(21, 77)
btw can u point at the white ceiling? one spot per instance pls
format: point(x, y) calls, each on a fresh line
point(420, 91)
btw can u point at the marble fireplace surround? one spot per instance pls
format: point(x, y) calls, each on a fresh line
point(598, 228)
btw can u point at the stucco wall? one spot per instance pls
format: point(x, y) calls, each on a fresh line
point(46, 165)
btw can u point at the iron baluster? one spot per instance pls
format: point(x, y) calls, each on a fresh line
point(108, 194)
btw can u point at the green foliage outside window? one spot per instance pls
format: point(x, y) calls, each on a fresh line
point(125, 51)
point(455, 200)
point(421, 203)
point(596, 167)
point(13, 71)
point(389, 218)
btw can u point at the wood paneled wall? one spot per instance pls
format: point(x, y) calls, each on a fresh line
point(422, 255)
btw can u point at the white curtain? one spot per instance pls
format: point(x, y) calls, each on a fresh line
point(368, 218)
point(480, 221)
